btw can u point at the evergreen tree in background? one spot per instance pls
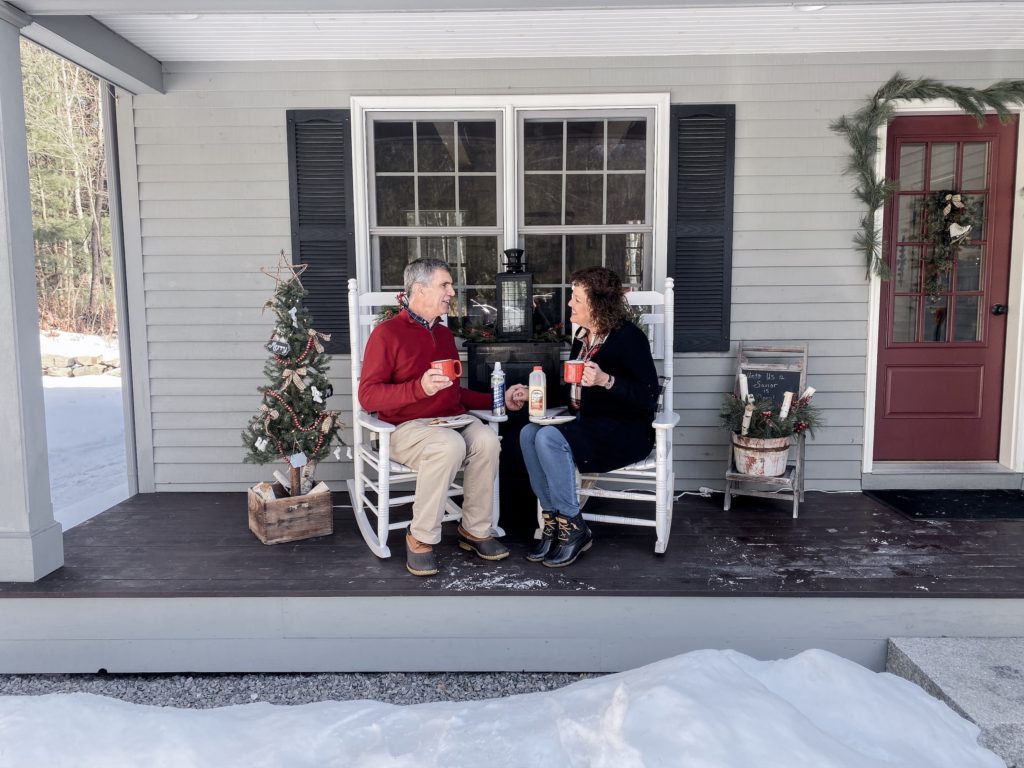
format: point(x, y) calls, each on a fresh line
point(293, 418)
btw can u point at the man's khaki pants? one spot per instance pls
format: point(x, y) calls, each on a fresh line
point(437, 454)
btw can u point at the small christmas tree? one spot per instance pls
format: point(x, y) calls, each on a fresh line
point(293, 424)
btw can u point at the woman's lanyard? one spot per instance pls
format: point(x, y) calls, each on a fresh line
point(587, 352)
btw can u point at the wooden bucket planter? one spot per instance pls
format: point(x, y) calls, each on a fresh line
point(759, 456)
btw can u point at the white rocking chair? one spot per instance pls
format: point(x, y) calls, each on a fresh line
point(371, 443)
point(656, 472)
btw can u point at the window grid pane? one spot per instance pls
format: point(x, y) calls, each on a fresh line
point(952, 315)
point(601, 177)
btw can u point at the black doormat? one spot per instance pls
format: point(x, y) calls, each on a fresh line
point(954, 505)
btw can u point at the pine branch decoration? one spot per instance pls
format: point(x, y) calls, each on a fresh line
point(861, 132)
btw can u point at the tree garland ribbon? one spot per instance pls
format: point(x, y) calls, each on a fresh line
point(861, 131)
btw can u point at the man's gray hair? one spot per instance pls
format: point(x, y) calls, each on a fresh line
point(421, 271)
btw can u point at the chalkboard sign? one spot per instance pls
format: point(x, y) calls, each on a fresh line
point(770, 384)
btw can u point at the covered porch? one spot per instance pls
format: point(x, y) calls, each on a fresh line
point(176, 582)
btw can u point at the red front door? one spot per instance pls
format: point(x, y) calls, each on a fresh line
point(940, 347)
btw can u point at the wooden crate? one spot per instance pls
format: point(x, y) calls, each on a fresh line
point(290, 518)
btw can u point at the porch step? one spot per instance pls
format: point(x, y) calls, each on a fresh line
point(981, 678)
point(939, 476)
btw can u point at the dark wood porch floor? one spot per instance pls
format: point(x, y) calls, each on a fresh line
point(199, 545)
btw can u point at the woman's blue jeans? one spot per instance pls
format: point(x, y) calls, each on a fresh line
point(549, 461)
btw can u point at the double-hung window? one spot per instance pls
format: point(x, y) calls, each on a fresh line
point(572, 180)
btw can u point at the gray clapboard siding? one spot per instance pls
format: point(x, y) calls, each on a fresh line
point(214, 209)
point(211, 190)
point(213, 202)
point(157, 299)
point(265, 227)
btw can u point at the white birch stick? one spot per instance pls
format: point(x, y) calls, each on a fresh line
point(748, 413)
point(787, 401)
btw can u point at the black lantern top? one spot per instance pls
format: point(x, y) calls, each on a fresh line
point(514, 261)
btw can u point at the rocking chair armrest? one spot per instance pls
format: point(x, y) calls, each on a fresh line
point(372, 423)
point(489, 417)
point(666, 420)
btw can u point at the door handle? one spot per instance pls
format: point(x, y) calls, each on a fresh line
point(999, 309)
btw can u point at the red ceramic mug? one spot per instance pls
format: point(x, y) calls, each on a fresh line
point(572, 371)
point(450, 368)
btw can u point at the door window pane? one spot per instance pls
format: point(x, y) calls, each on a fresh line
point(435, 147)
point(910, 225)
point(904, 319)
point(975, 172)
point(943, 172)
point(969, 265)
point(912, 167)
point(907, 273)
point(980, 204)
point(968, 318)
point(936, 313)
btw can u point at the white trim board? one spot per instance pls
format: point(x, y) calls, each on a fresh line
point(1011, 430)
point(465, 633)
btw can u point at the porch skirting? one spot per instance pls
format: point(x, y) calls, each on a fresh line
point(571, 633)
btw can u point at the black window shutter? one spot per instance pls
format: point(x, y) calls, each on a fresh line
point(323, 237)
point(703, 154)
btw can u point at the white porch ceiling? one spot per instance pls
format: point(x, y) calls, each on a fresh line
point(218, 30)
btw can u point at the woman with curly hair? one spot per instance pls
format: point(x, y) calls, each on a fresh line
point(614, 406)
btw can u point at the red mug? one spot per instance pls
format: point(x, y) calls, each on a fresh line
point(450, 368)
point(572, 371)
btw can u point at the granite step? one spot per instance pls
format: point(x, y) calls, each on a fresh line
point(980, 678)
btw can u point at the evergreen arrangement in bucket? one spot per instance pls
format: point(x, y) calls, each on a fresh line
point(762, 429)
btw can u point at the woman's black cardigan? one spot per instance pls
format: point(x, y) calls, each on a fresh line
point(614, 427)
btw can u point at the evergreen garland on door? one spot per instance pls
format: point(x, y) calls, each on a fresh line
point(861, 131)
point(293, 424)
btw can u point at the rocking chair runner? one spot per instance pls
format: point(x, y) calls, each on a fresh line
point(656, 471)
point(374, 470)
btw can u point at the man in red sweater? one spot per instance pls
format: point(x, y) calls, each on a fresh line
point(399, 384)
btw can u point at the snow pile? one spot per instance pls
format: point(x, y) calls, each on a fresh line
point(75, 344)
point(707, 709)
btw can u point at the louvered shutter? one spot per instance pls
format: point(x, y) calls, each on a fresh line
point(703, 140)
point(320, 184)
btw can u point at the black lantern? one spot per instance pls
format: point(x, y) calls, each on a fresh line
point(515, 298)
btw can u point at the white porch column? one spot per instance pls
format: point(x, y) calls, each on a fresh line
point(30, 540)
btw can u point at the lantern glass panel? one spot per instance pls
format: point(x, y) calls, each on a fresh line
point(515, 305)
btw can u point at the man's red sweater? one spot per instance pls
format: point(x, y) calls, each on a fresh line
point(397, 353)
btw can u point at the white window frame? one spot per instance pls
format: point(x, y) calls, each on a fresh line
point(367, 108)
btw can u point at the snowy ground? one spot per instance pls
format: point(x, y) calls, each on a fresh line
point(707, 709)
point(84, 433)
